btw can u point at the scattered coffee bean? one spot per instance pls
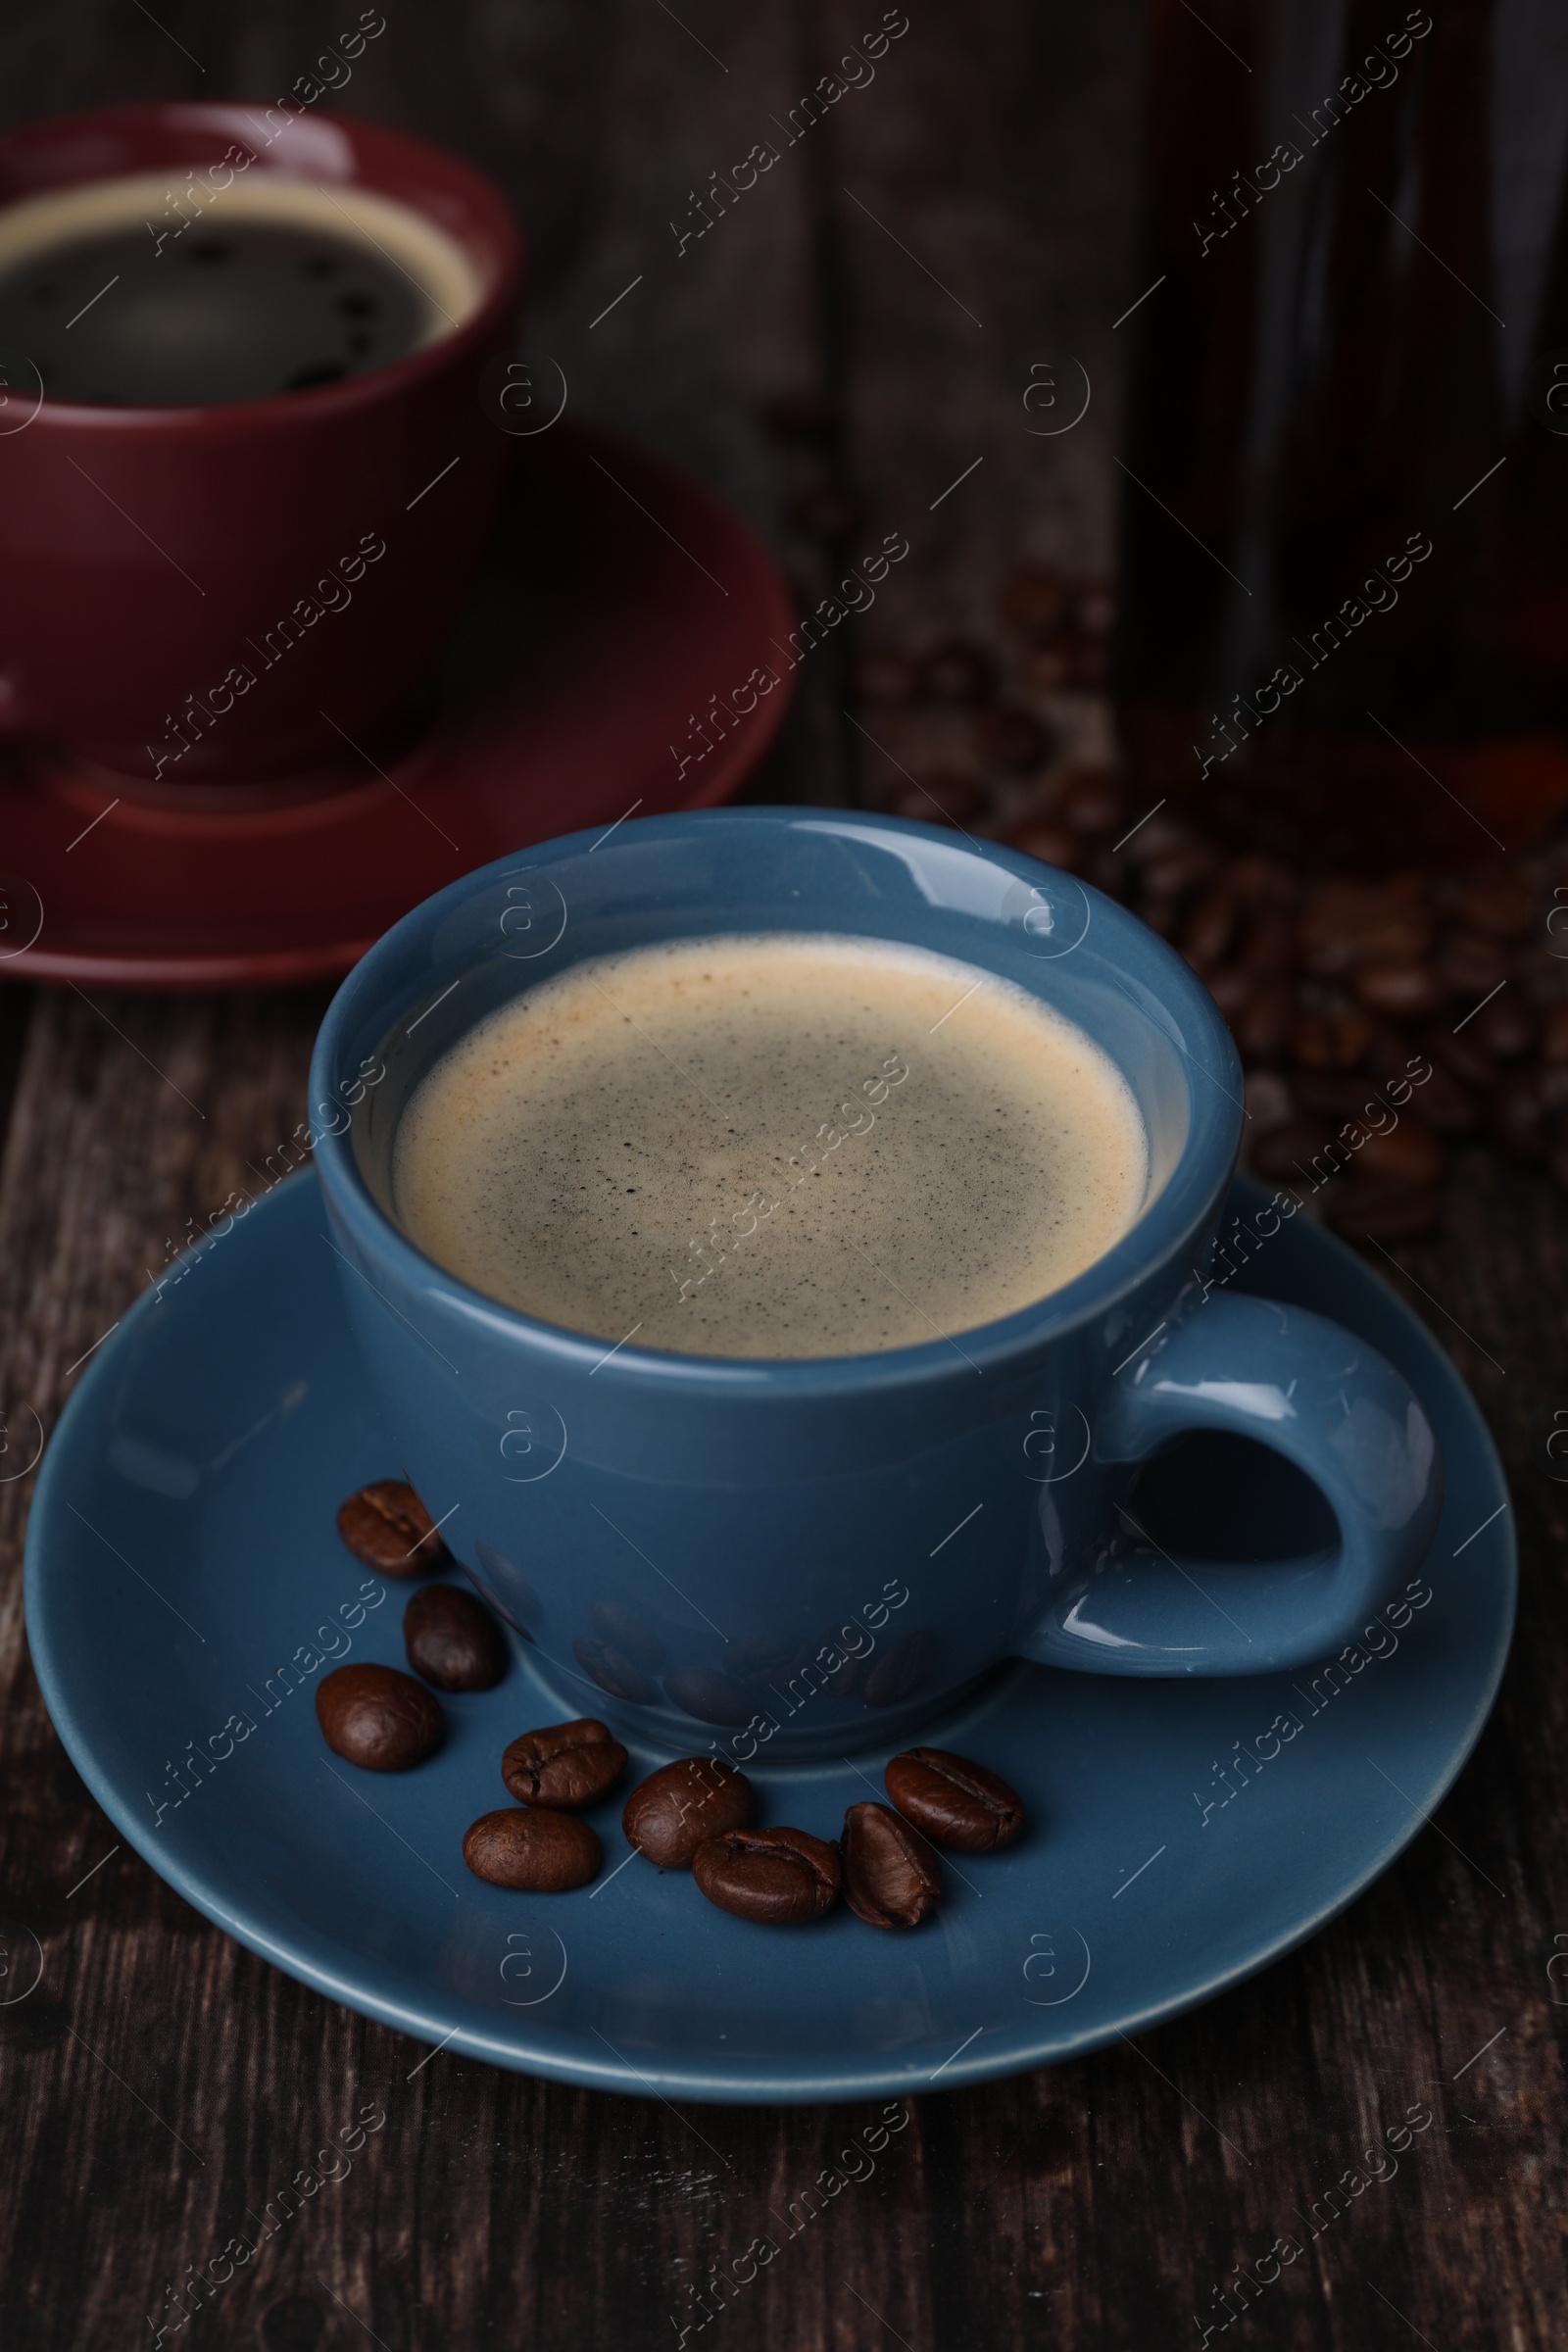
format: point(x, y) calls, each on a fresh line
point(1331, 1041)
point(670, 1814)
point(1402, 992)
point(1369, 1209)
point(567, 1767)
point(954, 1801)
point(890, 1876)
point(538, 1851)
point(387, 1527)
point(779, 1877)
point(1207, 933)
point(453, 1639)
point(379, 1718)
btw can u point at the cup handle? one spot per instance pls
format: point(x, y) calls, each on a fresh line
point(1309, 1390)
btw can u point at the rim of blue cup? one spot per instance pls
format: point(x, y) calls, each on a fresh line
point(365, 1003)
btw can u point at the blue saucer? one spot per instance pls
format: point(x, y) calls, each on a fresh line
point(182, 1550)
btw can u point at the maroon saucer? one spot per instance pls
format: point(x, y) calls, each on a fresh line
point(602, 666)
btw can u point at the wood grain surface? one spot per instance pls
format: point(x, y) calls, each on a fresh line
point(972, 207)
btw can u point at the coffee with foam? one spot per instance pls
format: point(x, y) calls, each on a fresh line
point(775, 1146)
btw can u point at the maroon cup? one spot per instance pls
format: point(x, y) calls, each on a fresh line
point(254, 592)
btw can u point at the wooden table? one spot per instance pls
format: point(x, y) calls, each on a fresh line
point(898, 265)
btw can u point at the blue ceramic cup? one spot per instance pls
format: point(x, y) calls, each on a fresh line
point(792, 1558)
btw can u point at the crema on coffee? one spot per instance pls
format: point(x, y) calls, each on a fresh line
point(775, 1146)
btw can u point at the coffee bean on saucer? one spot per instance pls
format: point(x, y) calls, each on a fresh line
point(387, 1527)
point(538, 1851)
point(380, 1719)
point(453, 1639)
point(954, 1801)
point(567, 1766)
point(671, 1813)
point(779, 1877)
point(891, 1876)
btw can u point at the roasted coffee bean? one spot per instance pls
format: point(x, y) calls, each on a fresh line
point(668, 1815)
point(628, 1633)
point(1330, 1041)
point(387, 1527)
point(1402, 992)
point(1263, 882)
point(527, 1847)
point(1557, 1166)
point(1346, 922)
point(1208, 929)
point(1262, 1024)
point(1364, 1208)
point(1409, 1153)
point(703, 1691)
point(954, 1801)
point(891, 1876)
point(613, 1670)
point(1506, 1029)
point(1554, 1034)
point(452, 1641)
point(1013, 739)
point(1171, 869)
point(1268, 946)
point(380, 1719)
point(1285, 1154)
point(957, 670)
point(779, 1877)
point(1035, 603)
point(567, 1767)
point(1052, 845)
